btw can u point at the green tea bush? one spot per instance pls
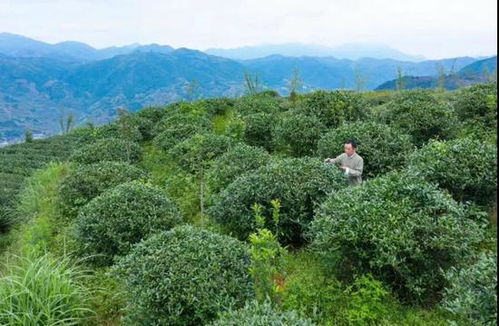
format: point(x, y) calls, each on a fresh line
point(184, 276)
point(382, 147)
point(108, 149)
point(232, 164)
point(299, 184)
point(333, 108)
point(258, 130)
point(472, 290)
point(261, 314)
point(197, 152)
point(296, 134)
point(43, 291)
point(258, 103)
point(467, 168)
point(87, 181)
point(112, 222)
point(421, 115)
point(478, 104)
point(401, 229)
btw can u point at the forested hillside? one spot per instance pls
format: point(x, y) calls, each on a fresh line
point(223, 212)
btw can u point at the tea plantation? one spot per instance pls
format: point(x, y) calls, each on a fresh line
point(223, 212)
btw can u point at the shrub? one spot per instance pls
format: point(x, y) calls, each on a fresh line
point(257, 103)
point(110, 223)
point(467, 168)
point(185, 276)
point(421, 115)
point(85, 182)
point(401, 229)
point(297, 134)
point(299, 184)
point(264, 314)
point(382, 147)
point(108, 149)
point(333, 108)
point(478, 104)
point(472, 290)
point(235, 162)
point(197, 153)
point(258, 131)
point(43, 291)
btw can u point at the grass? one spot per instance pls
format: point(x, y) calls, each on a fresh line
point(42, 290)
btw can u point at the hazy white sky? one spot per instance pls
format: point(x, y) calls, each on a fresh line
point(432, 28)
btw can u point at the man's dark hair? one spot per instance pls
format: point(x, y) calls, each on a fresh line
point(351, 142)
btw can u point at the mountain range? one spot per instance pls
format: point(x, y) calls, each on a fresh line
point(41, 81)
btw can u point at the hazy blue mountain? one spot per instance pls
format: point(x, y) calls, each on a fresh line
point(477, 72)
point(352, 51)
point(34, 90)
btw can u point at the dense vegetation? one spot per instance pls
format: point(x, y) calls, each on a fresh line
point(223, 212)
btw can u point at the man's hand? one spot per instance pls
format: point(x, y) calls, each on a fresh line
point(328, 160)
point(342, 167)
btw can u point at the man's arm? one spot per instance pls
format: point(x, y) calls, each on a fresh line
point(357, 172)
point(335, 160)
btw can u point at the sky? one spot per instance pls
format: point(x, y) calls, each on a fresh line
point(432, 28)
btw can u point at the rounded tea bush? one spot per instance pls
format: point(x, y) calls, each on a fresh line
point(296, 134)
point(400, 229)
point(258, 131)
point(420, 114)
point(112, 222)
point(299, 184)
point(108, 149)
point(478, 104)
point(472, 290)
point(333, 108)
point(185, 276)
point(256, 314)
point(382, 147)
point(232, 164)
point(467, 168)
point(85, 182)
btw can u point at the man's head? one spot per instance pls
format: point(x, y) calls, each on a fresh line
point(350, 147)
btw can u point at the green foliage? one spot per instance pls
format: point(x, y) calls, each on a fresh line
point(366, 301)
point(467, 168)
point(258, 131)
point(261, 314)
point(257, 103)
point(299, 184)
point(478, 104)
point(266, 255)
point(195, 154)
point(296, 134)
point(382, 147)
point(43, 291)
point(333, 108)
point(401, 229)
point(108, 149)
point(112, 222)
point(87, 181)
point(238, 160)
point(472, 290)
point(185, 276)
point(420, 114)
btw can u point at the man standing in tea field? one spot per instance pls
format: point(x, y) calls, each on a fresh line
point(350, 162)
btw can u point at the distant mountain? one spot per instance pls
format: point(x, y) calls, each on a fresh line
point(38, 80)
point(477, 72)
point(352, 51)
point(19, 46)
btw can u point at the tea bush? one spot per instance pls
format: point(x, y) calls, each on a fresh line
point(401, 229)
point(84, 182)
point(108, 149)
point(299, 184)
point(258, 131)
point(185, 276)
point(110, 223)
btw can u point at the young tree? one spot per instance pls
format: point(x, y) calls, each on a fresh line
point(251, 83)
point(294, 84)
point(400, 79)
point(360, 79)
point(192, 90)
